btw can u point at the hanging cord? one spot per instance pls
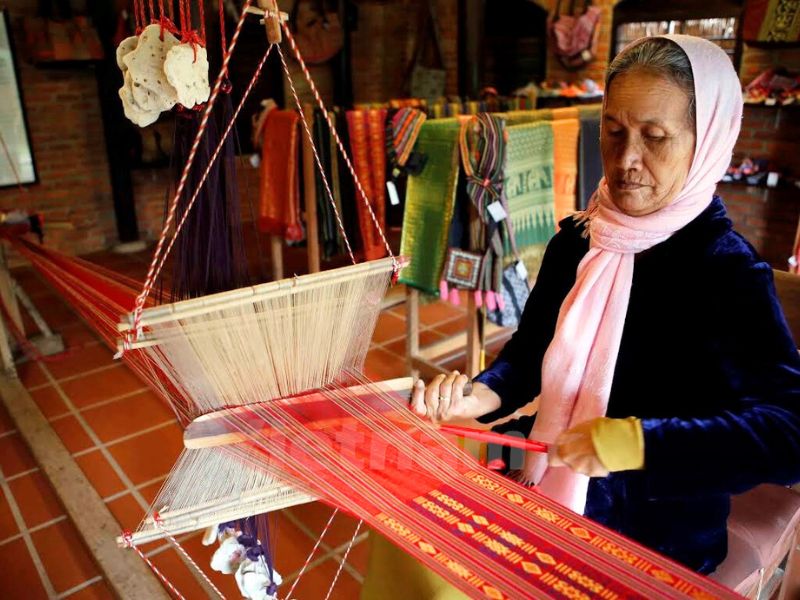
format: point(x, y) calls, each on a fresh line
point(160, 524)
point(312, 85)
point(317, 158)
point(158, 261)
point(128, 539)
point(313, 551)
point(344, 560)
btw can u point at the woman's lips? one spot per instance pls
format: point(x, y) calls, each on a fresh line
point(628, 186)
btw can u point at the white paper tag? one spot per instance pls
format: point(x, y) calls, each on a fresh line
point(255, 160)
point(521, 270)
point(497, 211)
point(394, 199)
point(772, 178)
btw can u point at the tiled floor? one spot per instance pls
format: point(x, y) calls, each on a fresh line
point(125, 440)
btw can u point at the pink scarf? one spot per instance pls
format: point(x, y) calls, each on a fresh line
point(578, 367)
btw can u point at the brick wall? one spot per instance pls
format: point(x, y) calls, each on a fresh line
point(768, 217)
point(385, 42)
point(68, 147)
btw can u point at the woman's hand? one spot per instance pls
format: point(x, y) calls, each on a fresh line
point(575, 449)
point(443, 399)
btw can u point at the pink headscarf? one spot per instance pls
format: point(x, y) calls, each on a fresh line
point(578, 367)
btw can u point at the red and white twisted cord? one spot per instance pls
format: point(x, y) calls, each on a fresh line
point(344, 559)
point(313, 551)
point(339, 143)
point(126, 535)
point(160, 524)
point(152, 273)
point(316, 157)
point(211, 162)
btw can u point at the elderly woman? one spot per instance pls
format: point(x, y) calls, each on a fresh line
point(666, 376)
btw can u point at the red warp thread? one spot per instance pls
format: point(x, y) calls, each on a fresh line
point(223, 42)
point(202, 17)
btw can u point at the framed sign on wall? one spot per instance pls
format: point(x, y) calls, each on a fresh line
point(16, 156)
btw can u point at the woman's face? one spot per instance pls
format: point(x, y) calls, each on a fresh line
point(647, 141)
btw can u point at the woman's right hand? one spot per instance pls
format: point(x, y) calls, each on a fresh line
point(443, 399)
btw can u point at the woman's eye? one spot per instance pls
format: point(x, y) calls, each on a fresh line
point(655, 137)
point(615, 132)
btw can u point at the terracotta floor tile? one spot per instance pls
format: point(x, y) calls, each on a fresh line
point(452, 326)
point(101, 385)
point(292, 546)
point(126, 511)
point(77, 335)
point(100, 473)
point(66, 560)
point(72, 434)
point(31, 374)
point(97, 591)
point(6, 424)
point(149, 492)
point(49, 401)
point(36, 499)
point(57, 314)
point(149, 455)
point(436, 312)
point(388, 327)
point(14, 455)
point(316, 582)
point(359, 555)
point(176, 571)
point(8, 526)
point(86, 359)
point(426, 336)
point(23, 580)
point(127, 416)
point(315, 515)
point(381, 364)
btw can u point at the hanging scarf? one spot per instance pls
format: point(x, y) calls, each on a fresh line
point(279, 208)
point(565, 165)
point(368, 144)
point(578, 367)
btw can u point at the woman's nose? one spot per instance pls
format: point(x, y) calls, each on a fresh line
point(630, 156)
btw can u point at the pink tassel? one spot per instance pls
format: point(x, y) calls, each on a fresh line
point(491, 304)
point(478, 298)
point(443, 291)
point(501, 304)
point(455, 297)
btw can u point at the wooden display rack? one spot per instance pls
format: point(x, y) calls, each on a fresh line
point(426, 361)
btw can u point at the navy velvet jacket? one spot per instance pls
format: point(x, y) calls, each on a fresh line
point(706, 361)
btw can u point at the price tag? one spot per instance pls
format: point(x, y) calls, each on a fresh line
point(521, 270)
point(497, 211)
point(394, 199)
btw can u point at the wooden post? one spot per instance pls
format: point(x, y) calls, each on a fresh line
point(412, 329)
point(310, 193)
point(474, 337)
point(276, 248)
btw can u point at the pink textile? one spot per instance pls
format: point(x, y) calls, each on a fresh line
point(578, 366)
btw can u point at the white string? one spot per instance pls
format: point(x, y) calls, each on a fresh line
point(344, 559)
point(313, 551)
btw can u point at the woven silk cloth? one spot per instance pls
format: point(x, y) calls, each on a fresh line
point(279, 206)
point(430, 200)
point(520, 117)
point(565, 165)
point(486, 535)
point(368, 146)
point(771, 21)
point(529, 188)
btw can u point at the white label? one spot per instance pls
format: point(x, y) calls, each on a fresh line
point(772, 178)
point(497, 211)
point(394, 199)
point(255, 160)
point(521, 270)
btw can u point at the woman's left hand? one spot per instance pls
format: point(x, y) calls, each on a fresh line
point(575, 449)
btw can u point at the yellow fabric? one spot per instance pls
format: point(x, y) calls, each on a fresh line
point(619, 443)
point(565, 165)
point(394, 575)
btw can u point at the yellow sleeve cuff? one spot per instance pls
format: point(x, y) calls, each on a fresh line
point(619, 443)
